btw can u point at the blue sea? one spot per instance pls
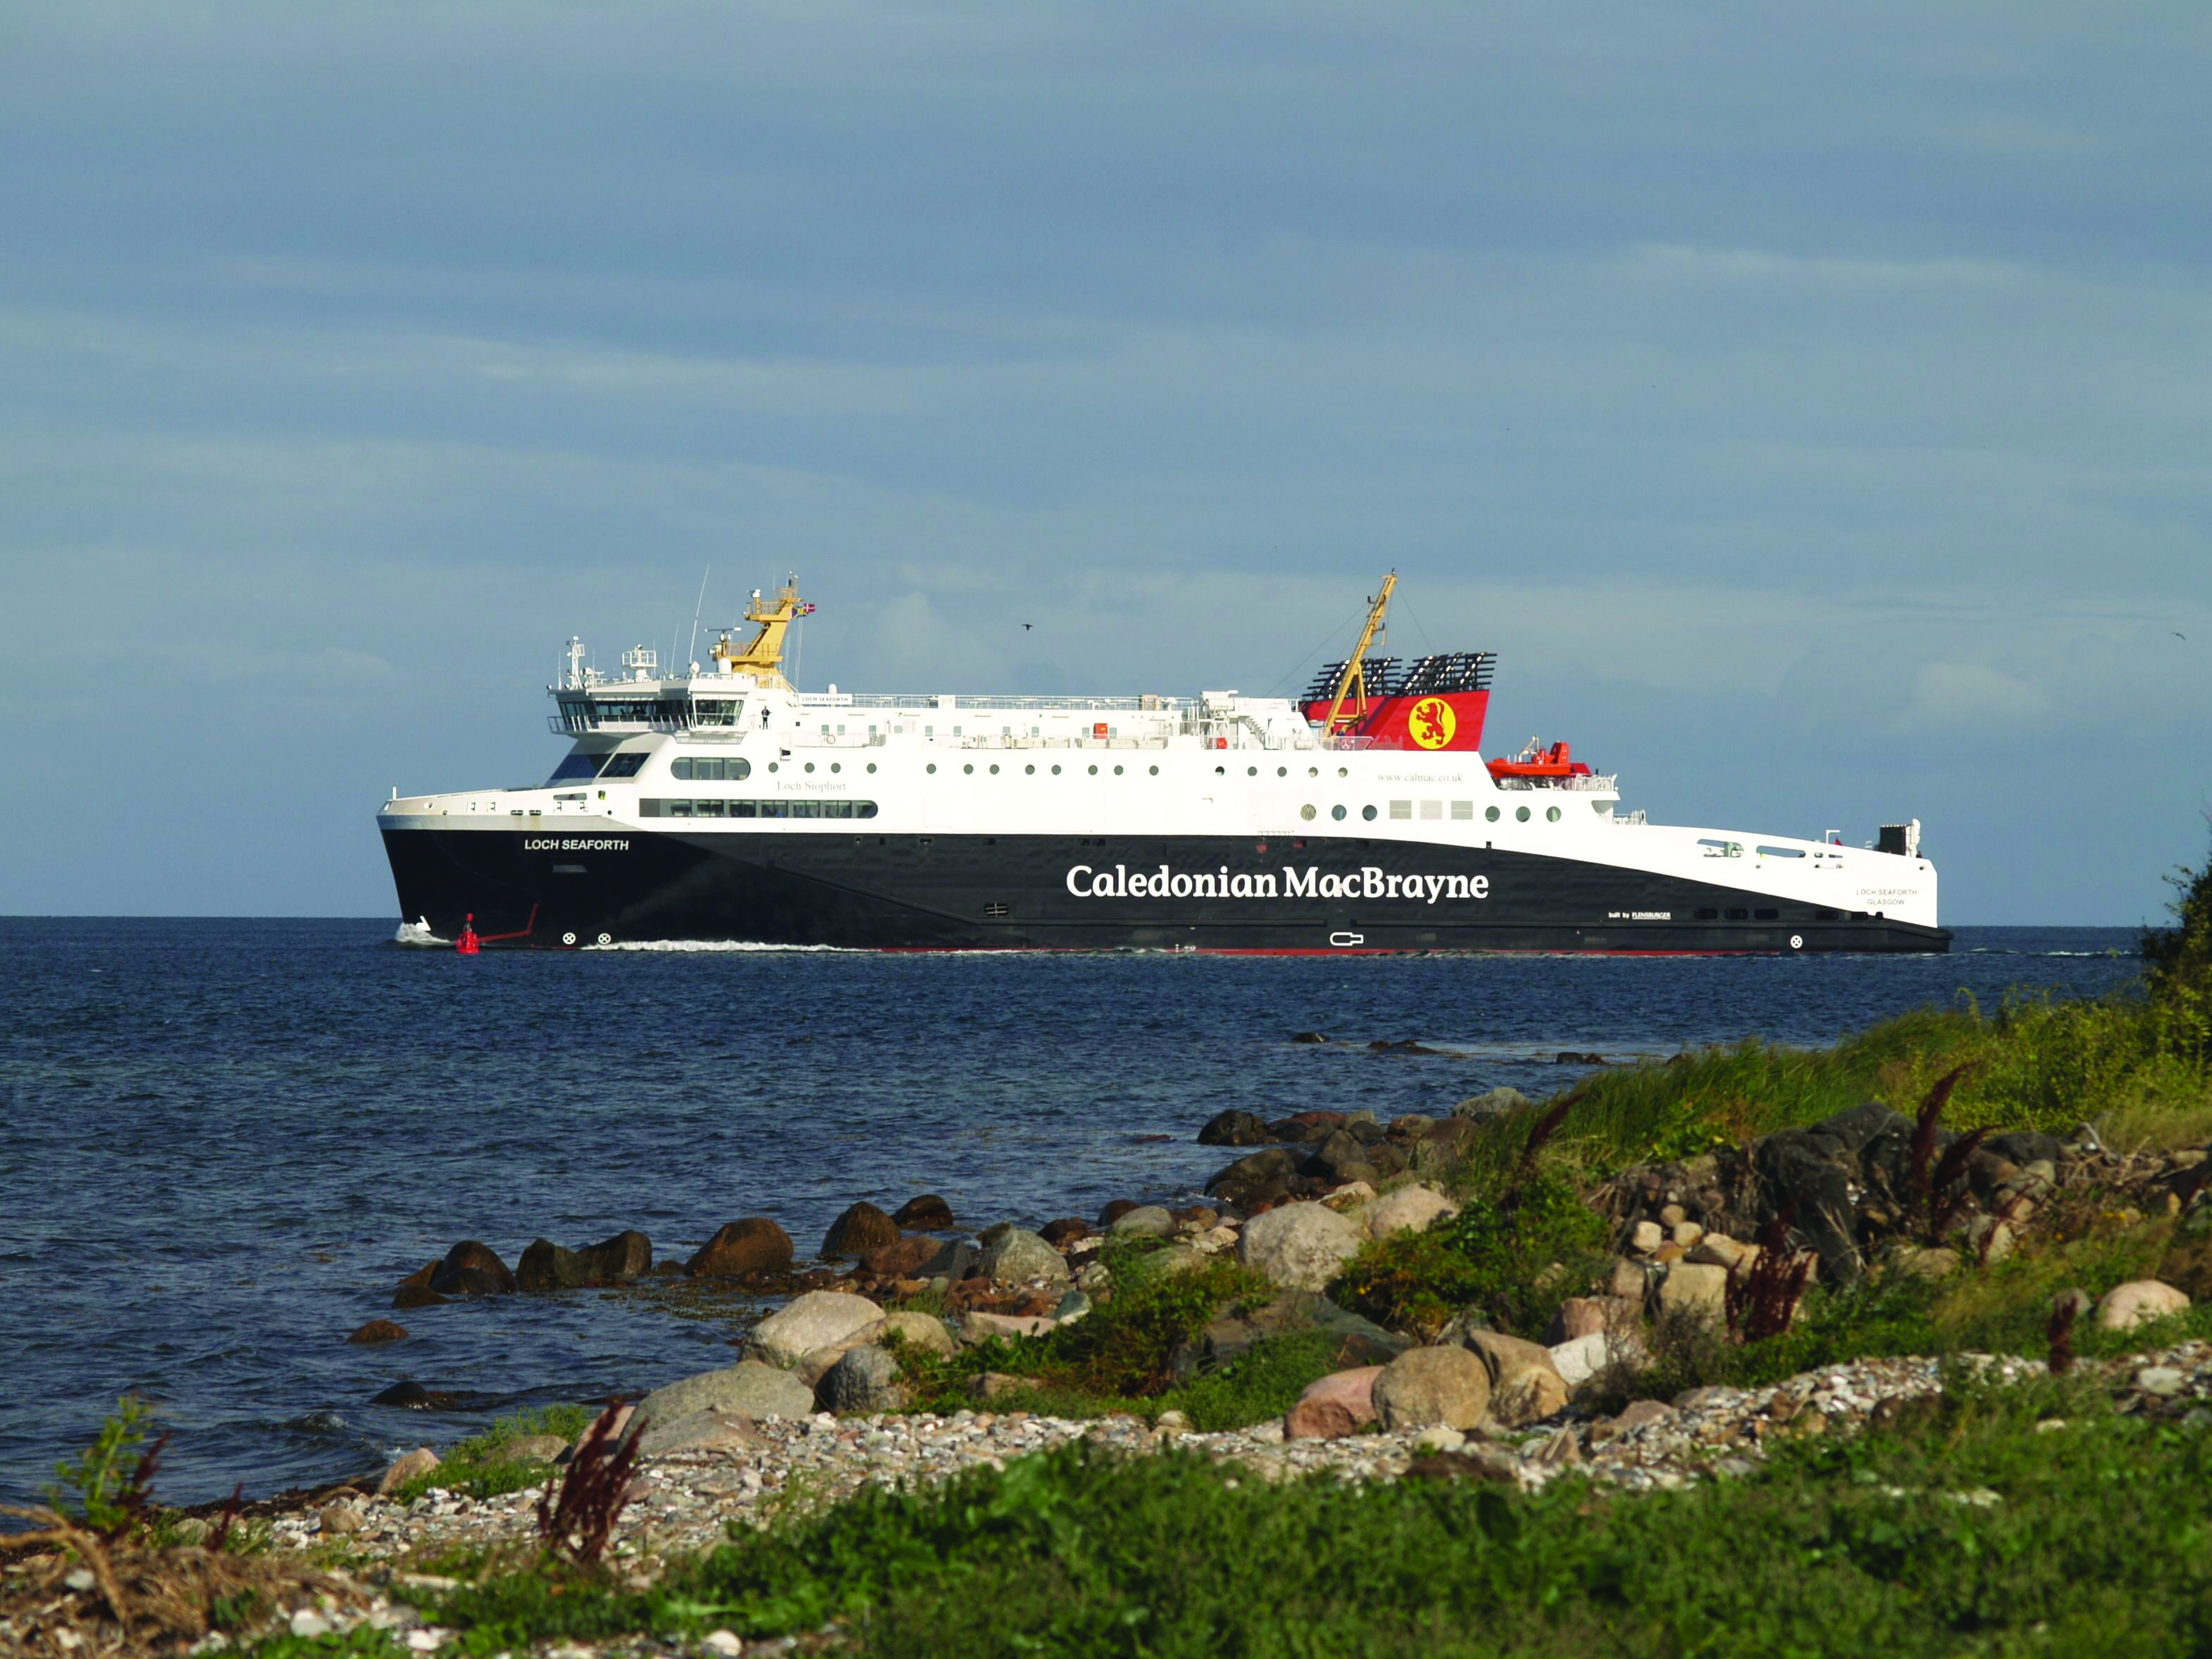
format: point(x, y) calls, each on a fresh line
point(227, 1141)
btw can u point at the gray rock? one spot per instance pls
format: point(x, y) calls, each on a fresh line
point(1304, 1246)
point(1016, 1257)
point(748, 1388)
point(1072, 1307)
point(527, 1448)
point(1426, 1386)
point(1408, 1209)
point(866, 1379)
point(2137, 1303)
point(819, 1319)
point(1147, 1221)
point(1491, 1103)
point(925, 1332)
point(546, 1265)
point(1233, 1332)
point(1694, 1291)
point(2164, 1381)
point(707, 1431)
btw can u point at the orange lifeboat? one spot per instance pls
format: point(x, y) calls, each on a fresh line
point(1556, 762)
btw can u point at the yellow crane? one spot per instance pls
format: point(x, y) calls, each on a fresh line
point(1354, 682)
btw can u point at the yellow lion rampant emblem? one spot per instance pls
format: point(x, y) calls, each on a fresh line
point(1432, 723)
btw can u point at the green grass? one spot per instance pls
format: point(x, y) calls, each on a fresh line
point(2123, 1062)
point(473, 1466)
point(1116, 1356)
point(1965, 1531)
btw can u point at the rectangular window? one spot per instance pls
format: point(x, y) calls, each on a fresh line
point(575, 766)
point(679, 809)
point(1766, 915)
point(624, 766)
point(1782, 851)
point(1462, 811)
point(741, 809)
point(1708, 914)
point(706, 809)
point(1401, 809)
point(1431, 809)
point(1735, 915)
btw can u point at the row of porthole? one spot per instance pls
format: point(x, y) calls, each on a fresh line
point(1521, 813)
point(1309, 813)
point(1154, 771)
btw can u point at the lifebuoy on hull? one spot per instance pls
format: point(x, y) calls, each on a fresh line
point(958, 892)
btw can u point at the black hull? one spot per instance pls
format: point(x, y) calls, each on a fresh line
point(552, 890)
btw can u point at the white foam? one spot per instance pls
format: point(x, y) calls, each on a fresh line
point(717, 945)
point(418, 933)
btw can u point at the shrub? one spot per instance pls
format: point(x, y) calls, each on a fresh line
point(1513, 1260)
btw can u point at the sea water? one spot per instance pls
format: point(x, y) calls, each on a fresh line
point(226, 1141)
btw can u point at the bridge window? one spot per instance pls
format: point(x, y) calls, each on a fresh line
point(575, 766)
point(716, 711)
point(624, 765)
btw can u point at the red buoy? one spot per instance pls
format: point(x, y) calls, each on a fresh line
point(466, 944)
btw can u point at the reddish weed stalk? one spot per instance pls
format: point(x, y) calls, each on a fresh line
point(1763, 1302)
point(594, 1492)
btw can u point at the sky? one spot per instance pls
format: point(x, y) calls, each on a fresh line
point(1811, 406)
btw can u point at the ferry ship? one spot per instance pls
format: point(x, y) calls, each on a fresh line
point(722, 804)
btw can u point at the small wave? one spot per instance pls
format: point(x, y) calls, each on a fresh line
point(418, 934)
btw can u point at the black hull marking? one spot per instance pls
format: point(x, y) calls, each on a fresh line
point(1007, 892)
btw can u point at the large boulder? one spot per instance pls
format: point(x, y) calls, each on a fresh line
point(1491, 1103)
point(1017, 1257)
point(926, 1211)
point(1695, 1290)
point(1525, 1386)
point(861, 1229)
point(924, 1333)
point(712, 1430)
point(1407, 1210)
point(2137, 1303)
point(863, 1379)
point(616, 1260)
point(747, 1389)
point(1255, 1169)
point(546, 1266)
point(809, 1323)
point(1304, 1246)
point(1235, 1128)
point(1340, 1158)
point(754, 1245)
point(1425, 1387)
point(471, 1268)
point(1332, 1407)
point(907, 1258)
point(1146, 1221)
point(1233, 1331)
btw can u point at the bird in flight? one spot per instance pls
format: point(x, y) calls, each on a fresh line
point(1027, 626)
point(2179, 634)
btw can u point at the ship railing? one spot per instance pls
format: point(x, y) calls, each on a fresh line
point(1636, 817)
point(1595, 784)
point(950, 702)
point(569, 725)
